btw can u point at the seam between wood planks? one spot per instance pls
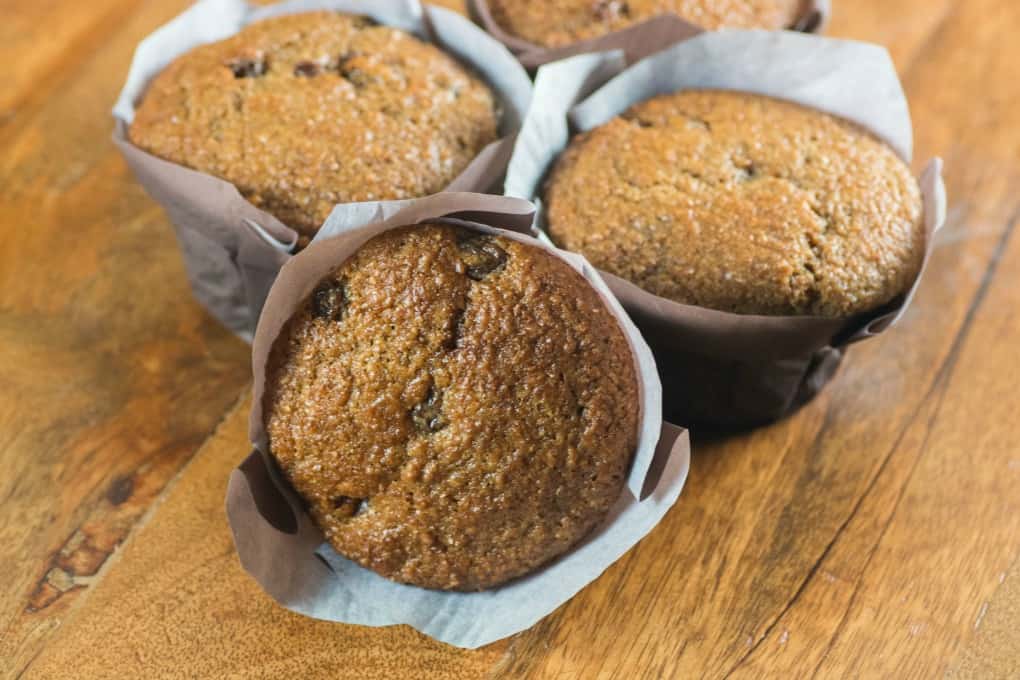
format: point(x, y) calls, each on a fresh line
point(114, 557)
point(944, 374)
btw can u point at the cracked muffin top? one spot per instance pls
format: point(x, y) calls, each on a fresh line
point(305, 111)
point(456, 409)
point(741, 203)
point(559, 23)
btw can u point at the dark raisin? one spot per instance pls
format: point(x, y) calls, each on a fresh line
point(351, 73)
point(607, 10)
point(640, 122)
point(481, 255)
point(248, 68)
point(746, 171)
point(306, 69)
point(329, 301)
point(428, 415)
point(357, 77)
point(456, 329)
point(345, 506)
point(364, 22)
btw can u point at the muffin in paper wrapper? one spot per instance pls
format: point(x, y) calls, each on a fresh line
point(748, 369)
point(637, 41)
point(281, 547)
point(233, 250)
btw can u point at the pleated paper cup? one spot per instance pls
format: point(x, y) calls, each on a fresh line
point(748, 369)
point(636, 42)
point(281, 547)
point(232, 250)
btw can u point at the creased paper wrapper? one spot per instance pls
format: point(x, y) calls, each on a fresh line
point(280, 546)
point(636, 42)
point(745, 369)
point(233, 250)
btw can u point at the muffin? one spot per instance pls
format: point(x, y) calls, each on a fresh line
point(555, 24)
point(741, 203)
point(456, 409)
point(305, 111)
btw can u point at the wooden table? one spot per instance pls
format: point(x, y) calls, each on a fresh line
point(874, 534)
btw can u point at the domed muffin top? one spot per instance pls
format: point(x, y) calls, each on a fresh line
point(305, 111)
point(555, 24)
point(456, 408)
point(741, 203)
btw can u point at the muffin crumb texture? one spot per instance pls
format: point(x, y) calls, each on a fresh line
point(741, 203)
point(555, 24)
point(305, 111)
point(456, 408)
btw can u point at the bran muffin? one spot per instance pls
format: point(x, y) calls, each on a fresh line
point(741, 203)
point(559, 23)
point(455, 408)
point(305, 111)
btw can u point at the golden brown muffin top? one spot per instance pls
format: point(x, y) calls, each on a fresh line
point(305, 111)
point(741, 203)
point(457, 409)
point(559, 23)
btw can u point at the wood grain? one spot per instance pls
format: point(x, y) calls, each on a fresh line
point(187, 610)
point(111, 376)
point(874, 534)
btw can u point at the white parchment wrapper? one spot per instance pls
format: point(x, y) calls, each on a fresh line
point(750, 369)
point(636, 42)
point(280, 546)
point(232, 250)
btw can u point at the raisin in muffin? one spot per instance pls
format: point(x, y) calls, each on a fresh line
point(741, 203)
point(305, 111)
point(559, 23)
point(455, 408)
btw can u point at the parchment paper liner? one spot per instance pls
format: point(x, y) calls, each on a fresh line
point(637, 41)
point(748, 369)
point(232, 250)
point(279, 544)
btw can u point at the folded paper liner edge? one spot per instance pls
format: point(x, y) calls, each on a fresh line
point(309, 586)
point(588, 90)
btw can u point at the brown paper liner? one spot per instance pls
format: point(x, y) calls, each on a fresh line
point(232, 250)
point(745, 370)
point(281, 547)
point(636, 42)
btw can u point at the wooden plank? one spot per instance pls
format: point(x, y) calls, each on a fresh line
point(112, 376)
point(750, 572)
point(177, 604)
point(116, 375)
point(875, 532)
point(903, 27)
point(41, 39)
